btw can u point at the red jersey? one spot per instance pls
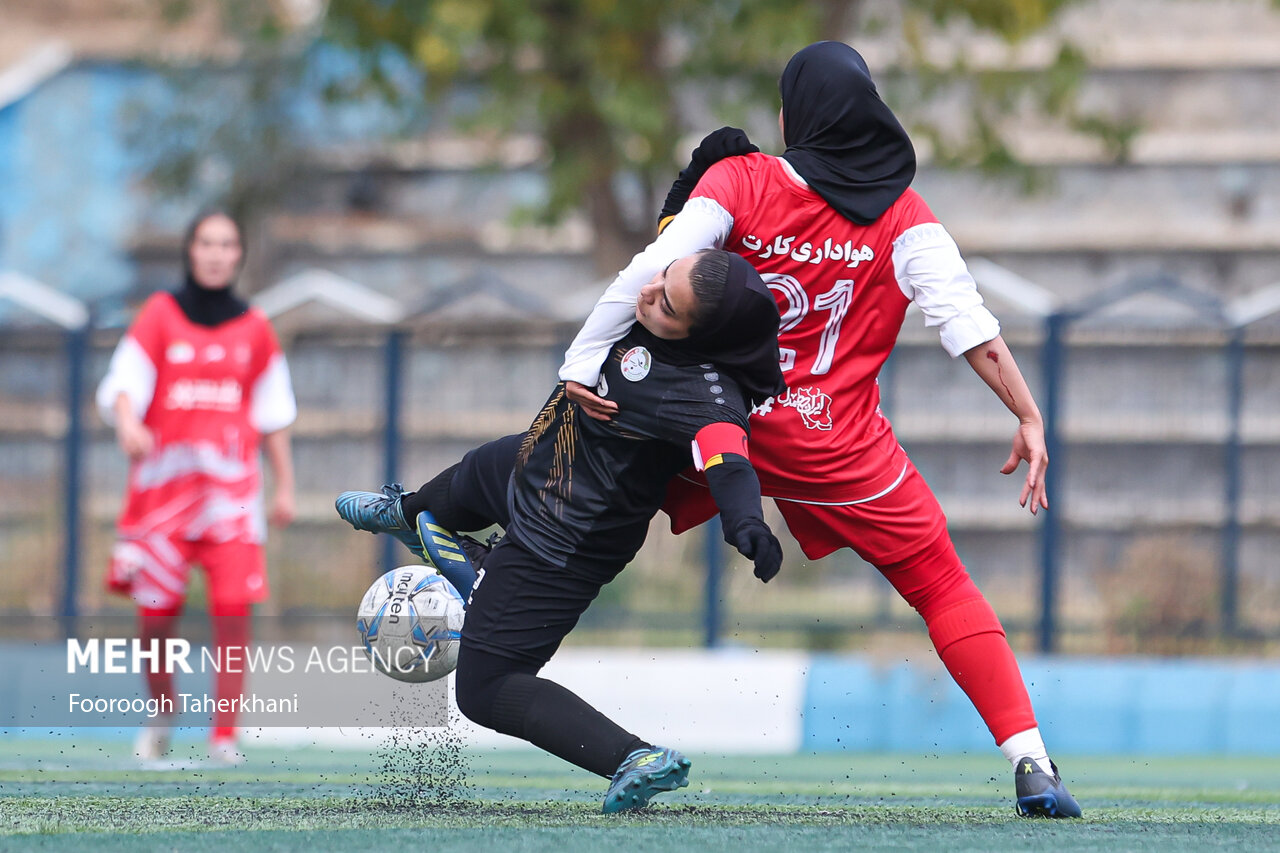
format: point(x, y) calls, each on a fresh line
point(841, 308)
point(842, 291)
point(207, 394)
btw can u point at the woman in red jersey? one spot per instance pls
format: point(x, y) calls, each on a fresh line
point(195, 388)
point(846, 245)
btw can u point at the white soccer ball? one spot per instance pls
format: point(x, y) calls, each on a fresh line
point(410, 622)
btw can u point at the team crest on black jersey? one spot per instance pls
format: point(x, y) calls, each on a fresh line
point(636, 363)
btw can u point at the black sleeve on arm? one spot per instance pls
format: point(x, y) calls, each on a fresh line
point(715, 146)
point(736, 491)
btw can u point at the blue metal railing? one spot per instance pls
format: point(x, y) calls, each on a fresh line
point(77, 346)
point(1054, 365)
point(1230, 580)
point(393, 397)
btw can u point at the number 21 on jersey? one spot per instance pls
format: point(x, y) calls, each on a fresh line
point(835, 302)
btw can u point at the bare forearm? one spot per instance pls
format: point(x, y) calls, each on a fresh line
point(995, 365)
point(280, 457)
point(133, 437)
point(123, 410)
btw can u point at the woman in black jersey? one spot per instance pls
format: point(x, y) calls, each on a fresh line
point(577, 507)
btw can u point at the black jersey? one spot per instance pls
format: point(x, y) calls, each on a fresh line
point(587, 489)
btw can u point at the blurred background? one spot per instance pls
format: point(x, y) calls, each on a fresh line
point(436, 191)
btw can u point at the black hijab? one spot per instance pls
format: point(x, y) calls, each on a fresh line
point(739, 335)
point(206, 306)
point(841, 138)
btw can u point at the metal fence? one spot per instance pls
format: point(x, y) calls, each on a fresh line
point(1163, 428)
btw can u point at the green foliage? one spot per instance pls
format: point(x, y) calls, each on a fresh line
point(223, 134)
point(1162, 597)
point(221, 140)
point(596, 80)
point(993, 94)
point(1116, 136)
point(600, 82)
point(613, 90)
point(1011, 19)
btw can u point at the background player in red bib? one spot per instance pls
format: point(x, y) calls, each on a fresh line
point(194, 388)
point(845, 245)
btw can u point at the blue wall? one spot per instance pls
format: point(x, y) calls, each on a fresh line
point(72, 180)
point(8, 172)
point(68, 204)
point(1085, 706)
point(1094, 706)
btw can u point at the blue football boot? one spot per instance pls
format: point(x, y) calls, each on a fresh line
point(1042, 795)
point(446, 553)
point(643, 774)
point(380, 513)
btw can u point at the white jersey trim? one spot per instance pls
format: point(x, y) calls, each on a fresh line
point(791, 171)
point(698, 463)
point(932, 274)
point(131, 373)
point(273, 406)
point(702, 224)
point(902, 475)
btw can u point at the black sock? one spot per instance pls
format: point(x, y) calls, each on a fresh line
point(436, 497)
point(556, 719)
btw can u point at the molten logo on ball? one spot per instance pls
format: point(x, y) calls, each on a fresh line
point(410, 621)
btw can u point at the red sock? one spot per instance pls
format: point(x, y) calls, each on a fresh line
point(158, 623)
point(967, 635)
point(972, 645)
point(230, 631)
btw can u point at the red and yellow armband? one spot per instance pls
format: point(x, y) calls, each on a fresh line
point(713, 443)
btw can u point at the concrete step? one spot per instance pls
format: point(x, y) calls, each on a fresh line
point(1178, 34)
point(1075, 275)
point(1118, 208)
point(1139, 211)
point(1212, 167)
point(1100, 513)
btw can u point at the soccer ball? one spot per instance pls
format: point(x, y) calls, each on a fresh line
point(410, 621)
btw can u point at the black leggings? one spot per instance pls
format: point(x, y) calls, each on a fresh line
point(521, 608)
point(506, 695)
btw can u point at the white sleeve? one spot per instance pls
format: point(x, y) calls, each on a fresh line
point(273, 406)
point(702, 224)
point(131, 373)
point(932, 274)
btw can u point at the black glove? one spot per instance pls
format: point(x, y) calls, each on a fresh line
point(715, 146)
point(755, 541)
point(719, 144)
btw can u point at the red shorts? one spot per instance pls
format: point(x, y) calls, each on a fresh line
point(155, 571)
point(883, 529)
